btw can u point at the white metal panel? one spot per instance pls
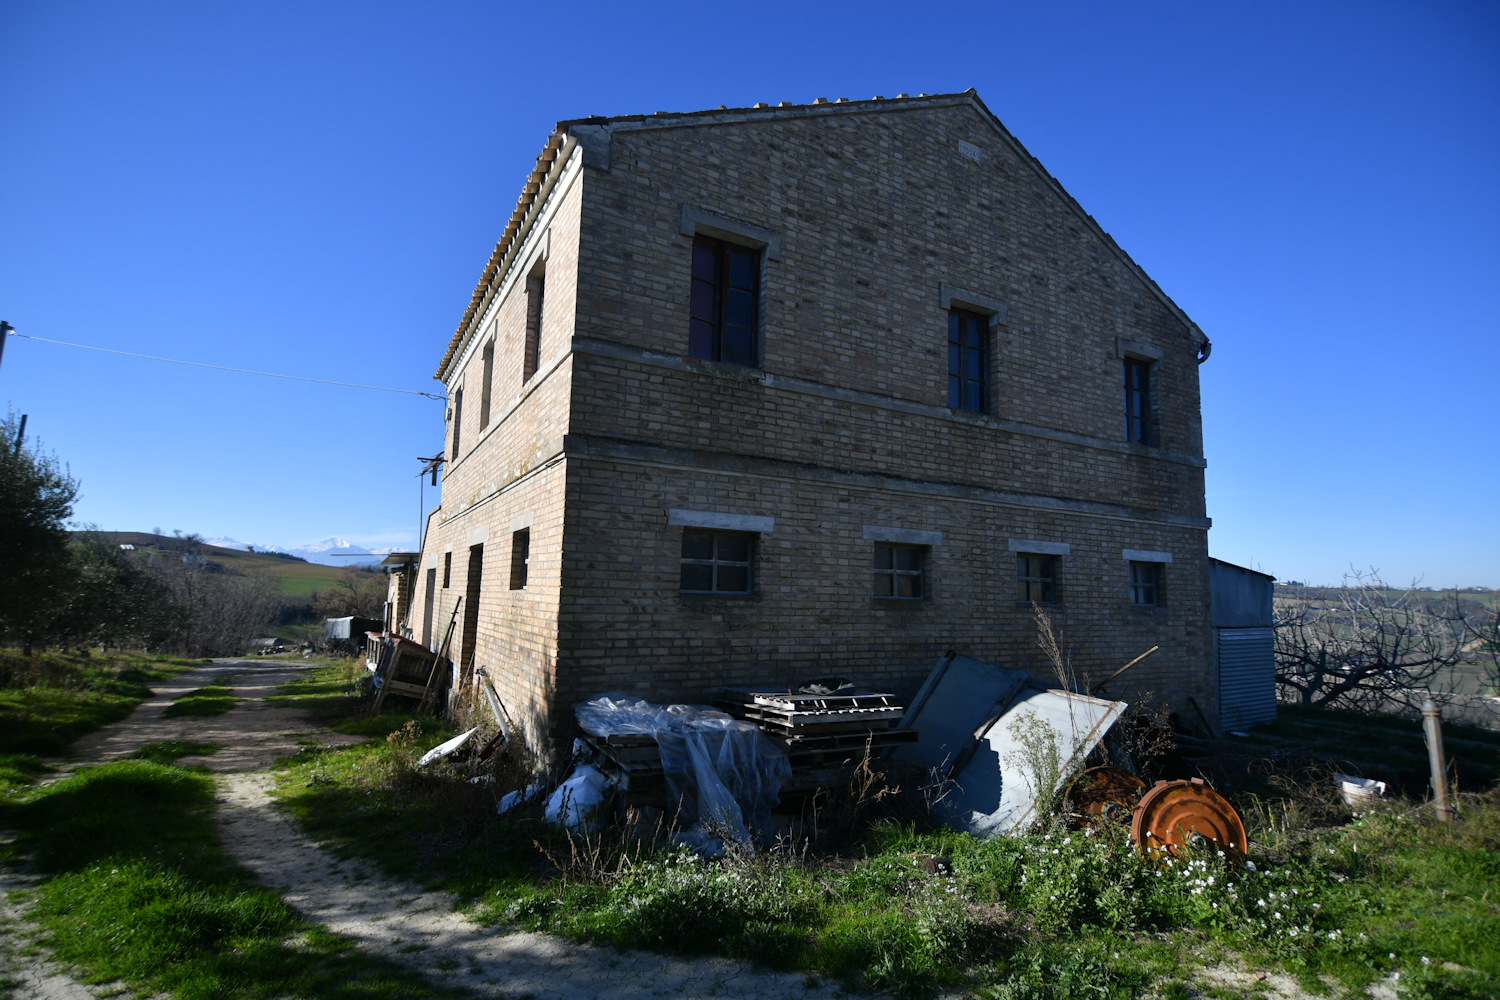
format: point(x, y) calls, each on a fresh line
point(994, 794)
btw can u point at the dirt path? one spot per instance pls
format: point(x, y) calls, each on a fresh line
point(387, 917)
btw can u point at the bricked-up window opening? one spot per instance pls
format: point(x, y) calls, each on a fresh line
point(717, 562)
point(1145, 584)
point(1137, 401)
point(427, 607)
point(458, 421)
point(536, 294)
point(447, 569)
point(1038, 578)
point(484, 390)
point(967, 364)
point(726, 289)
point(899, 571)
point(520, 557)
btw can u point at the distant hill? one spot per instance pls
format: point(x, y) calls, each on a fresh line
point(330, 551)
point(298, 578)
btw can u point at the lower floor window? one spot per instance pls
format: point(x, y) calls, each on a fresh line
point(899, 571)
point(716, 562)
point(1038, 578)
point(1145, 584)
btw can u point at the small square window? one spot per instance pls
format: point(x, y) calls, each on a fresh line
point(520, 557)
point(900, 571)
point(717, 562)
point(1037, 576)
point(1145, 584)
point(447, 569)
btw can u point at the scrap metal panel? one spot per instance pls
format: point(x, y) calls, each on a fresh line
point(1247, 676)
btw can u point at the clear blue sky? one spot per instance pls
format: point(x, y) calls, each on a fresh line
point(314, 188)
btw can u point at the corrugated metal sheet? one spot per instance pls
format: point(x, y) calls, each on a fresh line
point(1247, 676)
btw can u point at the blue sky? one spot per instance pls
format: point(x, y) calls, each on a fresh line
point(313, 188)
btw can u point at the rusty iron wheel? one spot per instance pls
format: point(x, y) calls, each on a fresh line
point(1104, 792)
point(1175, 815)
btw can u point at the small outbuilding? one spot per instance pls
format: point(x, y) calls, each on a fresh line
point(1244, 644)
point(349, 633)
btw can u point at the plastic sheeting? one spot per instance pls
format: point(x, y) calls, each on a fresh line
point(724, 773)
point(575, 800)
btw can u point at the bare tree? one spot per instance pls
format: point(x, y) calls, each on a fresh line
point(227, 609)
point(355, 592)
point(1365, 645)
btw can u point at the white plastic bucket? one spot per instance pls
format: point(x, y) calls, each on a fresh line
point(1359, 791)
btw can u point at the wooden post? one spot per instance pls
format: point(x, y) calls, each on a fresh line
point(1432, 726)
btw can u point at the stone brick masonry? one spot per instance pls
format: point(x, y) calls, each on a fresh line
point(873, 218)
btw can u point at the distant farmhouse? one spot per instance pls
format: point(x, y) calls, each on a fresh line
point(763, 395)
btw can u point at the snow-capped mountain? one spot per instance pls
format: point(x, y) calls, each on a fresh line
point(333, 551)
point(336, 552)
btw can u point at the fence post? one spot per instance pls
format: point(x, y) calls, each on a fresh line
point(1432, 727)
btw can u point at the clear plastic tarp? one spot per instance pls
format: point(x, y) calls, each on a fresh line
point(724, 774)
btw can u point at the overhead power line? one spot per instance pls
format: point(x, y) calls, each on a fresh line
point(225, 368)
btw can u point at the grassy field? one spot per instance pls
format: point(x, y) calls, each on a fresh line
point(49, 700)
point(1333, 899)
point(298, 579)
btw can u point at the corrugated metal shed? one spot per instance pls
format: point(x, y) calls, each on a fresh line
point(1244, 644)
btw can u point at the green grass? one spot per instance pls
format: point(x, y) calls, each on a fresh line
point(1053, 915)
point(51, 699)
point(172, 751)
point(137, 888)
point(333, 695)
point(212, 699)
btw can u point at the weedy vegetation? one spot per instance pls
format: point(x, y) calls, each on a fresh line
point(1336, 899)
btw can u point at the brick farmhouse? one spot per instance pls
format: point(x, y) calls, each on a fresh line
point(763, 395)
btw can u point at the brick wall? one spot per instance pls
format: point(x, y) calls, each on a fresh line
point(843, 424)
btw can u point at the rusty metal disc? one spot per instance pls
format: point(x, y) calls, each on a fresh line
point(1106, 792)
point(1187, 814)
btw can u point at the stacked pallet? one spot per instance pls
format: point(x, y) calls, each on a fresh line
point(817, 726)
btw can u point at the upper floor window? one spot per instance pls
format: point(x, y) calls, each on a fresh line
point(725, 294)
point(458, 423)
point(484, 388)
point(1137, 401)
point(717, 562)
point(900, 571)
point(967, 364)
point(536, 297)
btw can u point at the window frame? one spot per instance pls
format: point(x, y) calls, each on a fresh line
point(958, 352)
point(1027, 580)
point(486, 388)
point(1155, 585)
point(1140, 427)
point(520, 558)
point(752, 541)
point(710, 344)
point(894, 573)
point(536, 312)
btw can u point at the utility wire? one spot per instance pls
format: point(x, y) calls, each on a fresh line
point(225, 368)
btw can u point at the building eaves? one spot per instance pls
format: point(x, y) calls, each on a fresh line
point(548, 164)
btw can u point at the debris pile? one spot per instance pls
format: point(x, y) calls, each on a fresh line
point(822, 721)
